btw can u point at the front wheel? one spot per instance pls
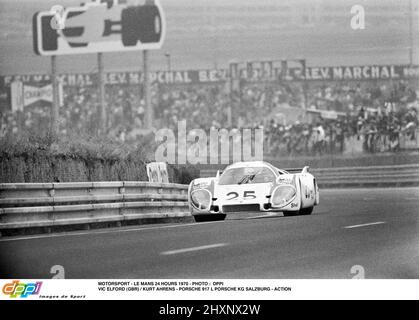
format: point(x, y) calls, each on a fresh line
point(209, 217)
point(290, 213)
point(306, 211)
point(49, 34)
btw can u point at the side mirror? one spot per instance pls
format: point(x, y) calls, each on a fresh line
point(306, 169)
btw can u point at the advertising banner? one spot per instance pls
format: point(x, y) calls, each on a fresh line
point(362, 72)
point(292, 70)
point(97, 26)
point(24, 95)
point(123, 78)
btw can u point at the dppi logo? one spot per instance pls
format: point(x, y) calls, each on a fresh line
point(22, 290)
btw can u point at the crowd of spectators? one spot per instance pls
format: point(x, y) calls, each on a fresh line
point(207, 105)
point(346, 96)
point(374, 112)
point(376, 130)
point(201, 105)
point(80, 113)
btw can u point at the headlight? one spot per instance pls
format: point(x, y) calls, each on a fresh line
point(201, 199)
point(283, 195)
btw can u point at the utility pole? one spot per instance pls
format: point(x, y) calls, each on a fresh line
point(411, 32)
point(102, 125)
point(55, 98)
point(147, 92)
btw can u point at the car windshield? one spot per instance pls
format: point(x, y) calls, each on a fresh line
point(246, 175)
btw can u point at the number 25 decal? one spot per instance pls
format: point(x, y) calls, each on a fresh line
point(246, 195)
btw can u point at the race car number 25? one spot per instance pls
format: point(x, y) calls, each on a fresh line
point(247, 195)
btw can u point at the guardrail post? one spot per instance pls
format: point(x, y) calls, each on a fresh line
point(51, 193)
point(121, 190)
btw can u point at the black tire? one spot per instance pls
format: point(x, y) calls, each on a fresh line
point(290, 213)
point(129, 27)
point(149, 27)
point(306, 211)
point(209, 217)
point(49, 35)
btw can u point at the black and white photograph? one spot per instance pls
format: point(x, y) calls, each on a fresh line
point(209, 149)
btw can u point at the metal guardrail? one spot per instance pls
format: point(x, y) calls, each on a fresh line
point(49, 205)
point(371, 176)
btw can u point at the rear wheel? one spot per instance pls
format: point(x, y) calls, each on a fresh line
point(306, 211)
point(209, 217)
point(129, 27)
point(150, 24)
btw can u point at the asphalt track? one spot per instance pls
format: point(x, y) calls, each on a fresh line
point(352, 231)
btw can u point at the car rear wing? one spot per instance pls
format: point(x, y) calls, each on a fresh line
point(298, 170)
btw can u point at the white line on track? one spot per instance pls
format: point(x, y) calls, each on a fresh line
point(74, 234)
point(210, 246)
point(364, 225)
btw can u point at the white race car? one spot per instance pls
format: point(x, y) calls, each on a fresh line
point(253, 187)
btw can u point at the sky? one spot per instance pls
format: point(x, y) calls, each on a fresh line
point(210, 33)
